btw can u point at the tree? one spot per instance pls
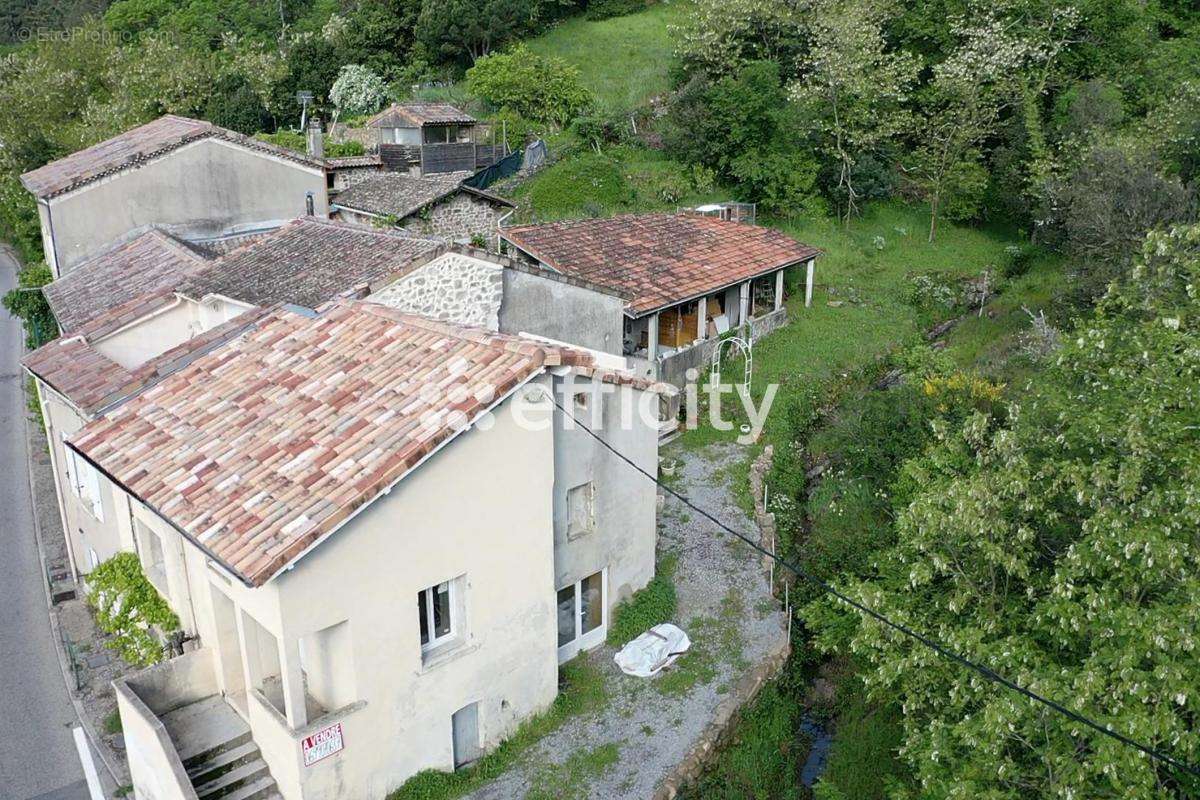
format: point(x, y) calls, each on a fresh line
point(960, 107)
point(1105, 205)
point(466, 30)
point(854, 90)
point(535, 87)
point(720, 36)
point(379, 35)
point(357, 90)
point(235, 105)
point(1057, 547)
point(743, 126)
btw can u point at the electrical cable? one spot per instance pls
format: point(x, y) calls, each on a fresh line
point(940, 649)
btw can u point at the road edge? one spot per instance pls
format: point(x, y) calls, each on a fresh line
point(56, 633)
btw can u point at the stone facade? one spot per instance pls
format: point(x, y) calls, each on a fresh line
point(453, 288)
point(462, 216)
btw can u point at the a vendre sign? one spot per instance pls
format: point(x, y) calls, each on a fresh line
point(322, 744)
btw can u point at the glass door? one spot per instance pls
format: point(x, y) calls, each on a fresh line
point(582, 615)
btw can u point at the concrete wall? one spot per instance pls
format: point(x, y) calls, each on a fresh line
point(154, 765)
point(561, 310)
point(156, 333)
point(204, 189)
point(625, 503)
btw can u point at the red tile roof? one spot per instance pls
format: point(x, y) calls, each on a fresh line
point(659, 260)
point(259, 448)
point(148, 264)
point(74, 368)
point(136, 146)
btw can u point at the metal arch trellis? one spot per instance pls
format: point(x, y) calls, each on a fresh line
point(746, 346)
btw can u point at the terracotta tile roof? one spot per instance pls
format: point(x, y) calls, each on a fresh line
point(308, 262)
point(400, 195)
point(136, 146)
point(146, 265)
point(71, 366)
point(658, 260)
point(259, 448)
point(414, 115)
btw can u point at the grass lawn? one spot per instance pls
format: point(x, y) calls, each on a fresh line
point(623, 60)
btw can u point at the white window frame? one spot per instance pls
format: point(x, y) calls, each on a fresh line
point(452, 604)
point(594, 637)
point(84, 480)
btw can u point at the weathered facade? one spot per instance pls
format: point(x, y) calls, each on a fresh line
point(187, 177)
point(440, 206)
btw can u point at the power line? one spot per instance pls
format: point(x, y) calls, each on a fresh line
point(940, 649)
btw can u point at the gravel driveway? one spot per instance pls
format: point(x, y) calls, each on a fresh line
point(648, 726)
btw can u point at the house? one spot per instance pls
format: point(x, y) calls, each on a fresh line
point(435, 205)
point(140, 311)
point(342, 172)
point(383, 532)
point(687, 278)
point(429, 138)
point(190, 178)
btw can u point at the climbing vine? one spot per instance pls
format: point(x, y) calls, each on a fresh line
point(128, 606)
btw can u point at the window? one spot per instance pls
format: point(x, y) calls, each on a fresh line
point(435, 610)
point(84, 480)
point(582, 618)
point(579, 510)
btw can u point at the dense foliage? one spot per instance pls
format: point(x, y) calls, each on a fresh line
point(27, 302)
point(128, 607)
point(1056, 544)
point(532, 86)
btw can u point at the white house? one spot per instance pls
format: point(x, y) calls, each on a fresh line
point(188, 177)
point(384, 535)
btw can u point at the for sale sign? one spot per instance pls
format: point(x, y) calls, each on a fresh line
point(322, 744)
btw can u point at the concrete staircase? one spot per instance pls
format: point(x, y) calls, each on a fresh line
point(221, 758)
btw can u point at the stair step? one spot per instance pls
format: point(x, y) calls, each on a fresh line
point(209, 752)
point(260, 789)
point(234, 778)
point(223, 760)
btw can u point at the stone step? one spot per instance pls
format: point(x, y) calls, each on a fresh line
point(259, 789)
point(196, 758)
point(246, 775)
point(221, 762)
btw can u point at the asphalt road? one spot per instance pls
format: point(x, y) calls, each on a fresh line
point(38, 759)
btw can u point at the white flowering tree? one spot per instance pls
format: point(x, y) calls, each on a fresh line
point(718, 36)
point(1058, 546)
point(358, 90)
point(854, 90)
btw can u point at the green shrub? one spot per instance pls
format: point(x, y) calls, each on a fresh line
point(572, 186)
point(606, 9)
point(27, 302)
point(536, 87)
point(297, 141)
point(653, 605)
point(603, 128)
point(127, 606)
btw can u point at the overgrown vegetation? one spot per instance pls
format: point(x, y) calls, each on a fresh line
point(128, 607)
point(27, 302)
point(652, 605)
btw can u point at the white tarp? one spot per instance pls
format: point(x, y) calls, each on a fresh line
point(654, 650)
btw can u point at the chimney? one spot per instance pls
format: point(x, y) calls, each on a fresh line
point(316, 143)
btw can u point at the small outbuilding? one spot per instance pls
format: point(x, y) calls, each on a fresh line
point(437, 205)
point(429, 138)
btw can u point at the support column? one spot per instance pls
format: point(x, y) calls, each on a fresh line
point(779, 290)
point(652, 337)
point(701, 311)
point(293, 682)
point(744, 304)
point(808, 283)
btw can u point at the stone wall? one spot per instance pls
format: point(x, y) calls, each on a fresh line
point(460, 218)
point(453, 288)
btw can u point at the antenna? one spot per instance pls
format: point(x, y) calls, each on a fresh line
point(303, 98)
